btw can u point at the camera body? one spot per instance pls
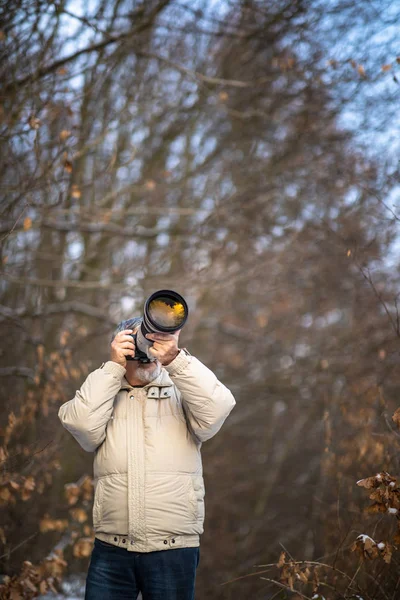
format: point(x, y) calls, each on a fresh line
point(139, 354)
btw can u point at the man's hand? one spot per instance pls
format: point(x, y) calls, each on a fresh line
point(165, 346)
point(122, 346)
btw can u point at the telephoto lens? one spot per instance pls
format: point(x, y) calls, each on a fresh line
point(164, 311)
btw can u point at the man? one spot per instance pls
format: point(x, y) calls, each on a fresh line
point(146, 423)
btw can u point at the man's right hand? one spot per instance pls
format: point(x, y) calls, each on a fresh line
point(122, 346)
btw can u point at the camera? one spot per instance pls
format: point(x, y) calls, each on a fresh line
point(164, 311)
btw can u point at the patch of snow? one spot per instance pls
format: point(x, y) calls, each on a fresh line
point(72, 588)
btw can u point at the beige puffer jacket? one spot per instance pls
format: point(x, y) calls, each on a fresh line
point(149, 489)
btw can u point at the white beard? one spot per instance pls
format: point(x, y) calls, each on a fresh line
point(146, 375)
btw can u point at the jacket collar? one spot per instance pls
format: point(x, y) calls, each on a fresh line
point(163, 380)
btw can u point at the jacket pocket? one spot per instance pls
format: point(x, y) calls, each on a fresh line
point(196, 497)
point(98, 503)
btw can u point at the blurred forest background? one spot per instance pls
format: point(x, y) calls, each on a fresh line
point(245, 154)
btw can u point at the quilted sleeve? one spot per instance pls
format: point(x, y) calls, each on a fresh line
point(87, 414)
point(207, 402)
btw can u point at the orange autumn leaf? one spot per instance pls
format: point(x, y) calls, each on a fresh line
point(64, 134)
point(83, 548)
point(150, 185)
point(79, 514)
point(27, 223)
point(281, 561)
point(361, 70)
point(75, 191)
point(396, 417)
point(72, 493)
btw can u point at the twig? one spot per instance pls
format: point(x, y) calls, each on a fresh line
point(285, 587)
point(87, 285)
point(7, 554)
point(19, 371)
point(378, 295)
point(15, 224)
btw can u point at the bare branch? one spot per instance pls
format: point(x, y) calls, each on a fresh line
point(19, 371)
point(55, 309)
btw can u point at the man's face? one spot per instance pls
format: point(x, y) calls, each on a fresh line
point(143, 372)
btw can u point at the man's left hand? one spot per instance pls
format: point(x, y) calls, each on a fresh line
point(165, 346)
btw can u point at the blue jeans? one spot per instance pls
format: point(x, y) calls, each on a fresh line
point(117, 574)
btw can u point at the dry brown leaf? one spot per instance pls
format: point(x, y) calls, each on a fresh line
point(75, 191)
point(34, 122)
point(375, 508)
point(150, 185)
point(366, 547)
point(72, 493)
point(43, 587)
point(28, 584)
point(45, 524)
point(377, 495)
point(368, 483)
point(83, 548)
point(15, 594)
point(396, 417)
point(64, 135)
point(361, 70)
point(53, 567)
point(27, 223)
point(282, 559)
point(303, 577)
point(79, 514)
point(386, 67)
point(49, 524)
point(68, 166)
point(387, 554)
point(5, 495)
point(29, 483)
